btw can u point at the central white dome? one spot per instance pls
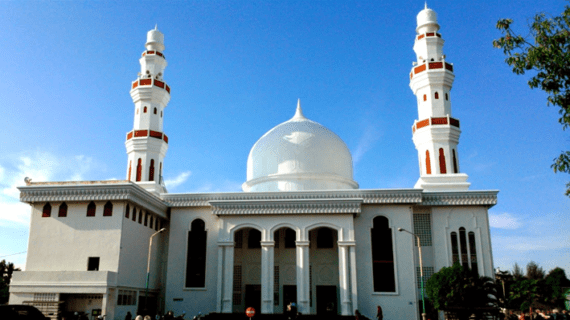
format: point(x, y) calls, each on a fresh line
point(296, 155)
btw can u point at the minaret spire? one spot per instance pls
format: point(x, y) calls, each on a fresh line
point(435, 133)
point(147, 143)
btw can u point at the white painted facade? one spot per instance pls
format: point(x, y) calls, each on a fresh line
point(301, 231)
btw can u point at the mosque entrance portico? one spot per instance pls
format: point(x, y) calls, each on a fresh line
point(281, 263)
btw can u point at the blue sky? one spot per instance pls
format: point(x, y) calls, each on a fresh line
point(237, 68)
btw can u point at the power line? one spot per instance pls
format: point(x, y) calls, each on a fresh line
point(13, 254)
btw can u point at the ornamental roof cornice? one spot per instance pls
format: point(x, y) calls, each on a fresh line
point(291, 206)
point(388, 196)
point(460, 198)
point(92, 191)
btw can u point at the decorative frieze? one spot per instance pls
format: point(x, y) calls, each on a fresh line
point(92, 191)
point(321, 206)
point(462, 198)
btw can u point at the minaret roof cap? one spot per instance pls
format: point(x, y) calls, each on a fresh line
point(427, 20)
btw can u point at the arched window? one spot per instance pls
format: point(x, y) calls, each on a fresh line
point(238, 239)
point(463, 246)
point(108, 209)
point(446, 96)
point(454, 163)
point(196, 258)
point(442, 168)
point(129, 174)
point(151, 171)
point(425, 97)
point(140, 216)
point(382, 256)
point(146, 219)
point(151, 222)
point(473, 253)
point(127, 212)
point(160, 172)
point(134, 214)
point(144, 110)
point(161, 114)
point(436, 95)
point(428, 163)
point(91, 209)
point(290, 238)
point(139, 169)
point(454, 248)
point(324, 238)
point(62, 210)
point(254, 239)
point(46, 212)
point(137, 110)
point(155, 110)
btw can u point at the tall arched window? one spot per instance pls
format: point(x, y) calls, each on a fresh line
point(129, 174)
point(196, 258)
point(62, 210)
point(436, 95)
point(151, 222)
point(139, 169)
point(425, 97)
point(108, 209)
point(46, 212)
point(463, 246)
point(151, 171)
point(446, 96)
point(155, 110)
point(91, 209)
point(454, 163)
point(473, 252)
point(428, 163)
point(140, 216)
point(382, 256)
point(454, 248)
point(134, 214)
point(442, 168)
point(127, 212)
point(145, 109)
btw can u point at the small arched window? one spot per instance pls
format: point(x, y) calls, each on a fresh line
point(108, 209)
point(196, 256)
point(151, 171)
point(382, 256)
point(146, 219)
point(442, 168)
point(46, 212)
point(151, 222)
point(324, 238)
point(425, 97)
point(144, 109)
point(129, 174)
point(128, 211)
point(140, 216)
point(446, 96)
point(155, 110)
point(137, 110)
point(161, 114)
point(454, 248)
point(62, 210)
point(428, 163)
point(139, 170)
point(91, 209)
point(134, 214)
point(436, 95)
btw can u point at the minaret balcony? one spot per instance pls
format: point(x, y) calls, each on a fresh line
point(147, 133)
point(428, 34)
point(433, 65)
point(449, 121)
point(151, 82)
point(151, 52)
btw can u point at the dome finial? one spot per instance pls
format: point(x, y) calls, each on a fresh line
point(425, 7)
point(299, 112)
point(156, 25)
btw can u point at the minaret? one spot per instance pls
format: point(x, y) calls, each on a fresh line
point(435, 133)
point(146, 143)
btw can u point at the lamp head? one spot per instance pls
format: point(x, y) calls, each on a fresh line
point(161, 229)
point(400, 229)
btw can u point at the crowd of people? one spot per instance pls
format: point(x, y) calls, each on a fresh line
point(539, 314)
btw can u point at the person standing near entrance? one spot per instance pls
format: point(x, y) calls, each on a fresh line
point(379, 314)
point(129, 316)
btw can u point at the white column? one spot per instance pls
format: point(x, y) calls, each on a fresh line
point(228, 276)
point(353, 279)
point(105, 302)
point(303, 277)
point(344, 274)
point(220, 284)
point(267, 276)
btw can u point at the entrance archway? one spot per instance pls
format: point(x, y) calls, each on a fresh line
point(324, 271)
point(247, 270)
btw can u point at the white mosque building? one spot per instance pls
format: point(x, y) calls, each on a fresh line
point(301, 231)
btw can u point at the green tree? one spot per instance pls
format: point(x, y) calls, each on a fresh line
point(546, 51)
point(556, 281)
point(6, 270)
point(534, 272)
point(459, 290)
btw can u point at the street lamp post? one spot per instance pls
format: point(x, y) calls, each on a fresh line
point(421, 270)
point(148, 267)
